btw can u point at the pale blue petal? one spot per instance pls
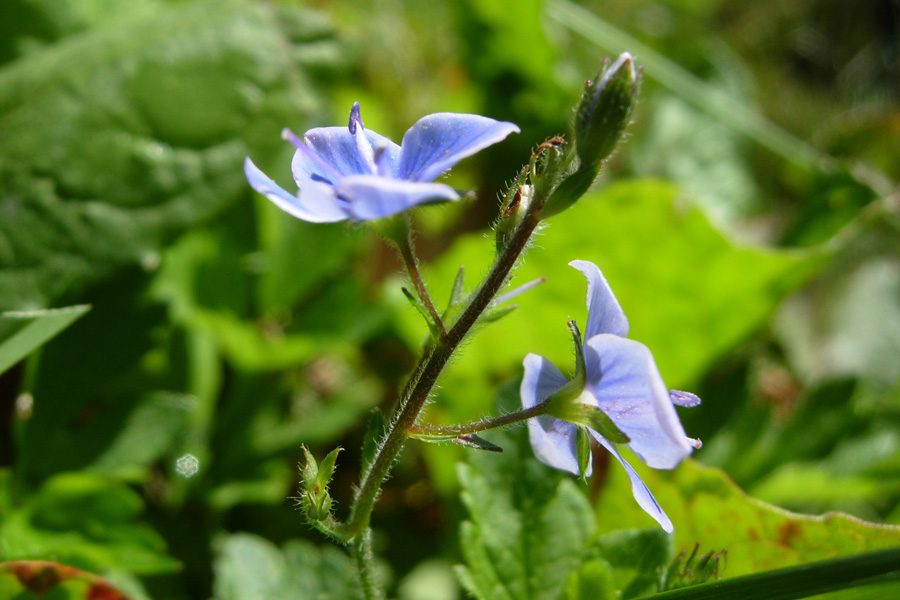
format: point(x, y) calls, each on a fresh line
point(640, 490)
point(316, 203)
point(366, 197)
point(604, 313)
point(437, 142)
point(338, 148)
point(553, 441)
point(626, 384)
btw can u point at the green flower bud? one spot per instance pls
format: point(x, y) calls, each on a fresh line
point(605, 109)
point(316, 501)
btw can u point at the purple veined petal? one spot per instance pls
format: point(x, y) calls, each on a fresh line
point(640, 490)
point(626, 384)
point(316, 203)
point(437, 142)
point(686, 399)
point(372, 197)
point(554, 441)
point(338, 148)
point(604, 313)
point(363, 143)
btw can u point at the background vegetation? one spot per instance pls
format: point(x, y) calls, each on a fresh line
point(750, 227)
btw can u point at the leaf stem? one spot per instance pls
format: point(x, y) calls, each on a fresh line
point(409, 260)
point(501, 421)
point(361, 550)
point(426, 375)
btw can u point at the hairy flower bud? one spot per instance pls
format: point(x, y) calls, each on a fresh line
point(605, 109)
point(315, 500)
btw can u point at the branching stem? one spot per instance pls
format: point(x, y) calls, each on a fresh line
point(412, 267)
point(501, 421)
point(432, 364)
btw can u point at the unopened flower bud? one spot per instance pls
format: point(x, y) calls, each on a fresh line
point(605, 109)
point(316, 501)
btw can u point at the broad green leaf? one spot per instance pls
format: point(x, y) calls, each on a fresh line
point(88, 521)
point(85, 401)
point(150, 432)
point(430, 580)
point(529, 524)
point(35, 579)
point(249, 567)
point(23, 332)
point(119, 137)
point(638, 556)
point(594, 580)
point(707, 508)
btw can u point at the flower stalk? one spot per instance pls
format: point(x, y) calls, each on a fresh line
point(428, 371)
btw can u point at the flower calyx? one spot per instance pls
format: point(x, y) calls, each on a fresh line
point(574, 404)
point(315, 500)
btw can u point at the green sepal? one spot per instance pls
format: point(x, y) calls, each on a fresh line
point(498, 313)
point(316, 501)
point(549, 165)
point(687, 570)
point(583, 451)
point(457, 298)
point(422, 311)
point(471, 440)
point(456, 292)
point(580, 368)
point(564, 403)
point(310, 470)
point(600, 422)
point(513, 207)
point(326, 469)
point(394, 228)
point(570, 190)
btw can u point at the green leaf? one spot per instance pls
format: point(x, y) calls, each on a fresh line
point(593, 581)
point(707, 508)
point(35, 579)
point(248, 566)
point(638, 557)
point(120, 137)
point(22, 332)
point(88, 521)
point(529, 524)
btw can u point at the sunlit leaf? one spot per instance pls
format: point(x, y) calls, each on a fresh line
point(23, 332)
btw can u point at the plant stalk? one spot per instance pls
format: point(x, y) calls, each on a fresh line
point(433, 363)
point(501, 421)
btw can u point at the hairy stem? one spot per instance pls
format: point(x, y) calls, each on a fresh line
point(432, 364)
point(501, 421)
point(361, 550)
point(409, 260)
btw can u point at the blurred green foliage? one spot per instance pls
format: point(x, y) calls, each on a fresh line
point(224, 329)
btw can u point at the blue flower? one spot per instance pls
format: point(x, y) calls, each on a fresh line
point(353, 173)
point(621, 379)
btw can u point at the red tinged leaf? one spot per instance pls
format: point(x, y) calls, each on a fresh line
point(41, 577)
